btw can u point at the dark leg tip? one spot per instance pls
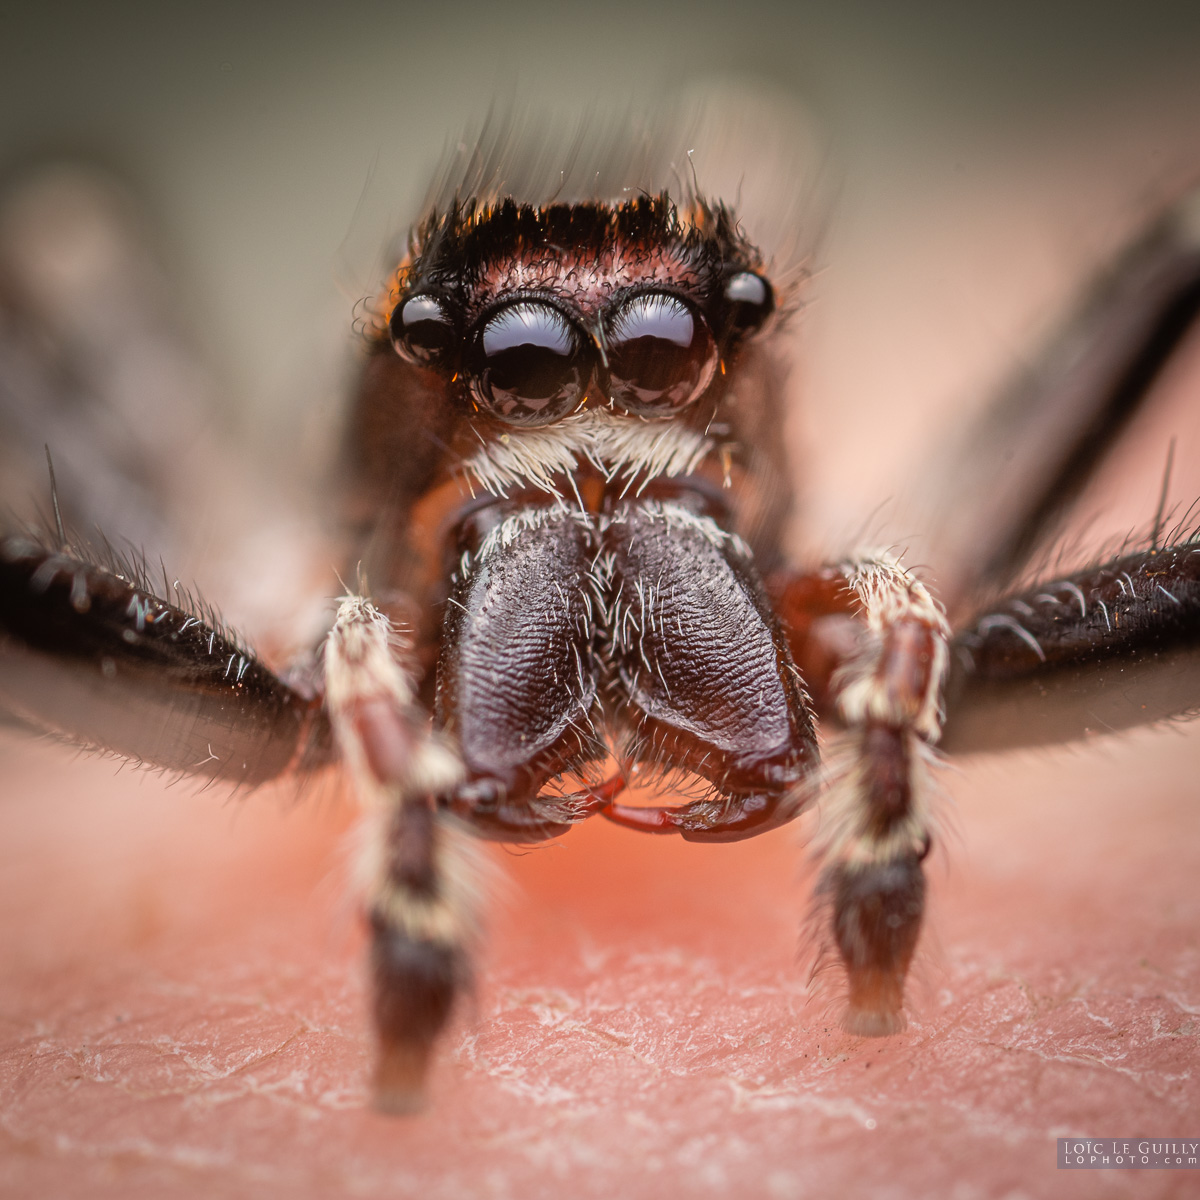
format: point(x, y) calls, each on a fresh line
point(401, 1068)
point(876, 1003)
point(415, 983)
point(861, 1022)
point(877, 911)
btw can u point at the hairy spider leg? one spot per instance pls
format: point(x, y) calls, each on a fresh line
point(419, 874)
point(881, 680)
point(89, 652)
point(1104, 649)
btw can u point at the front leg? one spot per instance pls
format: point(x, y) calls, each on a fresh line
point(887, 694)
point(418, 873)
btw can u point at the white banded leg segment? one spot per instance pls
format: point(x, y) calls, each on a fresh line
point(383, 735)
point(418, 870)
point(889, 696)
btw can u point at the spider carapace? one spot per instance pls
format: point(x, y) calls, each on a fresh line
point(567, 488)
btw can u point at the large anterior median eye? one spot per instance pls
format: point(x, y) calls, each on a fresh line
point(423, 331)
point(661, 355)
point(530, 364)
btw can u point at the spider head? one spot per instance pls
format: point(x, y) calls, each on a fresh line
point(532, 314)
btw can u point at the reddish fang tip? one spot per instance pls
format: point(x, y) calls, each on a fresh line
point(647, 820)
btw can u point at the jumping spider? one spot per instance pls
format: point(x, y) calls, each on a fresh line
point(566, 492)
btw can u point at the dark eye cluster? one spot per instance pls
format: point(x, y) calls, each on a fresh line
point(530, 360)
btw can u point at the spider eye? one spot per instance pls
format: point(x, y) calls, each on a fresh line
point(531, 365)
point(661, 355)
point(749, 301)
point(423, 331)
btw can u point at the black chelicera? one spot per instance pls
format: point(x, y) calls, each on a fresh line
point(565, 490)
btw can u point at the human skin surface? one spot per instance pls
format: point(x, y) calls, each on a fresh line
point(184, 1012)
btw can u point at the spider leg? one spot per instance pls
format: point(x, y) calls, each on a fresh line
point(1104, 649)
point(1048, 430)
point(882, 678)
point(418, 872)
point(91, 654)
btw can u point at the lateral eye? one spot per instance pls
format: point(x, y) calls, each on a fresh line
point(661, 356)
point(749, 301)
point(530, 364)
point(423, 331)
